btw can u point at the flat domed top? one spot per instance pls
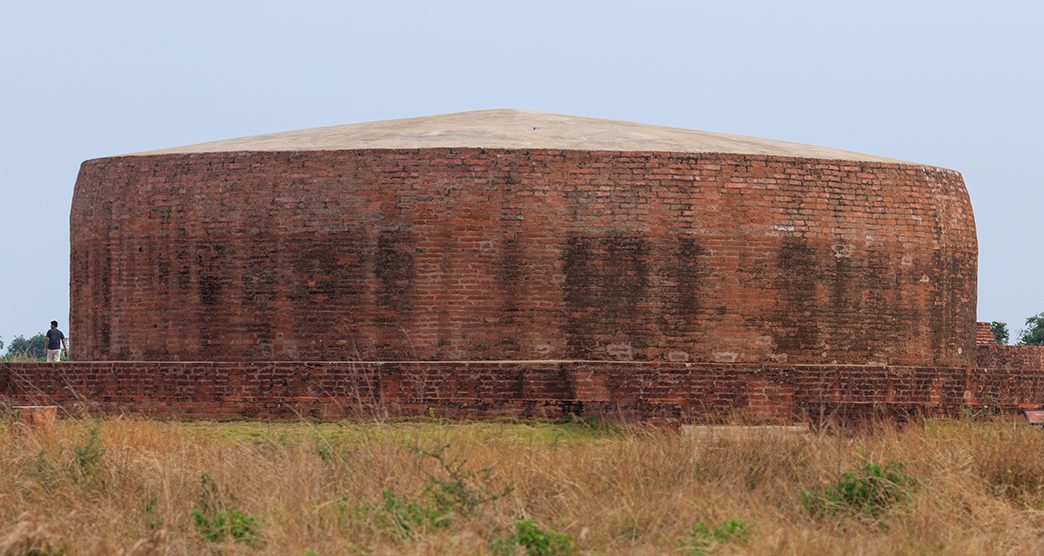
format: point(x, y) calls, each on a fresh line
point(515, 129)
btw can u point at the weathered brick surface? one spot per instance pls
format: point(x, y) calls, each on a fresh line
point(1030, 358)
point(694, 392)
point(984, 334)
point(472, 254)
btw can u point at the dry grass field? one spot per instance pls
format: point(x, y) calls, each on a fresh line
point(131, 486)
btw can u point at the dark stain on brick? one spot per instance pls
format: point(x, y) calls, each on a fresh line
point(511, 278)
point(846, 299)
point(393, 267)
point(794, 326)
point(684, 275)
point(511, 275)
point(209, 290)
point(606, 279)
point(104, 282)
point(626, 271)
point(184, 275)
point(162, 272)
point(327, 285)
point(259, 280)
point(394, 270)
point(212, 275)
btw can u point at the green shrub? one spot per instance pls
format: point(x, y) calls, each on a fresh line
point(324, 453)
point(152, 521)
point(217, 521)
point(408, 517)
point(590, 426)
point(89, 454)
point(451, 490)
point(703, 539)
point(233, 522)
point(43, 471)
point(535, 541)
point(872, 491)
point(456, 489)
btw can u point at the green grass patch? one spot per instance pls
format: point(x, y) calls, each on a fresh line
point(704, 539)
point(872, 491)
point(573, 432)
point(533, 541)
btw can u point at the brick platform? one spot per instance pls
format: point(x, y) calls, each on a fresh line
point(680, 392)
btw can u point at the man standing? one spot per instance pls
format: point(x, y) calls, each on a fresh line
point(54, 343)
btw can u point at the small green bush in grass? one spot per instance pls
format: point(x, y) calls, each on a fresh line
point(407, 516)
point(535, 541)
point(217, 521)
point(704, 539)
point(872, 491)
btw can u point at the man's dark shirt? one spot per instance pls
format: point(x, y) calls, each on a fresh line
point(54, 338)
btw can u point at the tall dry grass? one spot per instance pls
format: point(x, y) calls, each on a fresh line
point(319, 488)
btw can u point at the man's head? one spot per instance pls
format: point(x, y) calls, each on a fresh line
point(54, 324)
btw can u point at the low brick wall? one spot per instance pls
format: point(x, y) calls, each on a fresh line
point(679, 392)
point(984, 334)
point(1030, 358)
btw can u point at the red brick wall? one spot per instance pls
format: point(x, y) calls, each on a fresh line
point(694, 392)
point(1011, 357)
point(984, 334)
point(470, 254)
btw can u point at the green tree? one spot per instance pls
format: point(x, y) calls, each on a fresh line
point(1000, 332)
point(1033, 334)
point(22, 348)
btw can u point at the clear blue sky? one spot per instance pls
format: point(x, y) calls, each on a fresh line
point(954, 84)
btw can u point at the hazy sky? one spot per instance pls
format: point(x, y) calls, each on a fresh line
point(953, 84)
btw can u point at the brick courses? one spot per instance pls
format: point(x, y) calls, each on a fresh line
point(993, 355)
point(451, 254)
point(984, 334)
point(665, 391)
